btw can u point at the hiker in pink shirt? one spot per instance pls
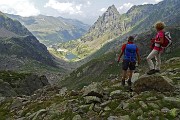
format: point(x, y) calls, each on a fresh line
point(156, 50)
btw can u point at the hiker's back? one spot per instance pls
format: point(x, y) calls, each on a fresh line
point(130, 52)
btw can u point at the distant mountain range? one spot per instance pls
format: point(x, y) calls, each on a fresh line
point(52, 30)
point(112, 25)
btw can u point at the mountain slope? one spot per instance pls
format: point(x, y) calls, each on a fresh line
point(51, 30)
point(12, 27)
point(20, 51)
point(27, 47)
point(167, 11)
point(76, 23)
point(17, 40)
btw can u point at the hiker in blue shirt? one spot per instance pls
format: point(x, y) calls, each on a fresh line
point(130, 52)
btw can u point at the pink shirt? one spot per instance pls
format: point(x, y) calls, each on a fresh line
point(159, 35)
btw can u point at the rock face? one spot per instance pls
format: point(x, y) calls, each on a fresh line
point(153, 82)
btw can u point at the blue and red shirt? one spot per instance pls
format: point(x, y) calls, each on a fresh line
point(124, 47)
point(127, 54)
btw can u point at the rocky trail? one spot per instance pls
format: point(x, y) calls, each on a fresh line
point(156, 97)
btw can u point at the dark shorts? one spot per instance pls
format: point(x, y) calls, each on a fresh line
point(127, 64)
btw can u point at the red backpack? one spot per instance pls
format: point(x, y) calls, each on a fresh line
point(167, 40)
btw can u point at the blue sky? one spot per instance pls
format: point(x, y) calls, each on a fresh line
point(86, 11)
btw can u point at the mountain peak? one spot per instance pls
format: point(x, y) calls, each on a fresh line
point(107, 23)
point(112, 8)
point(111, 12)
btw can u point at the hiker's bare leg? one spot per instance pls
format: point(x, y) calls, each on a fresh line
point(130, 76)
point(124, 74)
point(124, 77)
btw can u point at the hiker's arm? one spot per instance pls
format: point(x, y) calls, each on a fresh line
point(161, 41)
point(138, 57)
point(122, 51)
point(120, 55)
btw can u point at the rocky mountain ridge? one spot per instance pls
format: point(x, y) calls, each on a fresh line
point(12, 28)
point(107, 23)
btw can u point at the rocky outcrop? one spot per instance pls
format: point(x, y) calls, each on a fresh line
point(93, 93)
point(14, 84)
point(31, 83)
point(6, 89)
point(94, 89)
point(153, 82)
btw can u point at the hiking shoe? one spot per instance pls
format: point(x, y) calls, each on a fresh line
point(123, 82)
point(151, 72)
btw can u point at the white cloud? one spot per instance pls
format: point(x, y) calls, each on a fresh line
point(158, 1)
point(19, 7)
point(125, 7)
point(65, 7)
point(88, 3)
point(103, 9)
point(145, 3)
